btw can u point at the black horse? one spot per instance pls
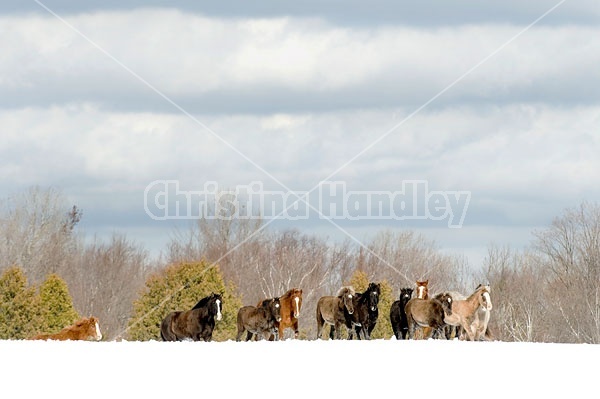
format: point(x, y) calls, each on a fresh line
point(398, 315)
point(259, 320)
point(366, 312)
point(195, 324)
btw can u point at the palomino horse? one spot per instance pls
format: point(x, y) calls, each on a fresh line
point(398, 315)
point(259, 320)
point(428, 313)
point(195, 324)
point(482, 317)
point(332, 310)
point(85, 329)
point(291, 303)
point(465, 312)
point(365, 313)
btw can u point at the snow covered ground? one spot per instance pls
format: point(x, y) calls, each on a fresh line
point(316, 369)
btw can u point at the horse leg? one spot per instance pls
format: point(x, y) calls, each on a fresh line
point(296, 330)
point(280, 331)
point(320, 322)
point(331, 331)
point(338, 331)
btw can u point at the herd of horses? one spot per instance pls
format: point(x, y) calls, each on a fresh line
point(447, 315)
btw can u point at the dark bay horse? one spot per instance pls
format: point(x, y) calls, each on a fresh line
point(366, 312)
point(398, 315)
point(259, 320)
point(332, 310)
point(428, 313)
point(86, 329)
point(195, 324)
point(291, 303)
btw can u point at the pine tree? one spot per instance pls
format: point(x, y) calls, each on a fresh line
point(56, 304)
point(19, 306)
point(383, 328)
point(180, 287)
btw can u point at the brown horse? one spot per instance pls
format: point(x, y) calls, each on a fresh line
point(428, 313)
point(259, 320)
point(332, 310)
point(291, 303)
point(464, 313)
point(86, 329)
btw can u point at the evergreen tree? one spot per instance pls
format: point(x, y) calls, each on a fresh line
point(179, 287)
point(56, 305)
point(383, 328)
point(19, 306)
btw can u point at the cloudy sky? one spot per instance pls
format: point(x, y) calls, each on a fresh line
point(502, 101)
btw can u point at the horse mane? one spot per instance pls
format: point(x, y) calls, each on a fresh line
point(204, 301)
point(348, 289)
point(290, 292)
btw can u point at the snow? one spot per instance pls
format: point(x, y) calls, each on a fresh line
point(316, 369)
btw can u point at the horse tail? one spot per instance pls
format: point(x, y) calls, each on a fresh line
point(166, 333)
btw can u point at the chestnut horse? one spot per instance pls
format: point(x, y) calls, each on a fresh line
point(83, 330)
point(422, 292)
point(464, 313)
point(422, 289)
point(291, 303)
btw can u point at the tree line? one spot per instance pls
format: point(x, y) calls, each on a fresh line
point(548, 292)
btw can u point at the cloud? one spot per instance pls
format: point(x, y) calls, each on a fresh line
point(300, 95)
point(287, 64)
point(353, 13)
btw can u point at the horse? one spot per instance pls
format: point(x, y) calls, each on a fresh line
point(365, 313)
point(259, 320)
point(291, 303)
point(422, 289)
point(398, 315)
point(195, 324)
point(85, 329)
point(465, 313)
point(428, 313)
point(332, 310)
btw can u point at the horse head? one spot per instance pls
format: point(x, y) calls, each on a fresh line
point(405, 295)
point(346, 294)
point(422, 290)
point(296, 302)
point(484, 297)
point(90, 328)
point(274, 308)
point(374, 291)
point(446, 300)
point(216, 307)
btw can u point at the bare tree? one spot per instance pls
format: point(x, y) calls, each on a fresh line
point(37, 232)
point(570, 251)
point(107, 281)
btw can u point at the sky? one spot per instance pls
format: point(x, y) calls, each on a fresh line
point(376, 368)
point(500, 103)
